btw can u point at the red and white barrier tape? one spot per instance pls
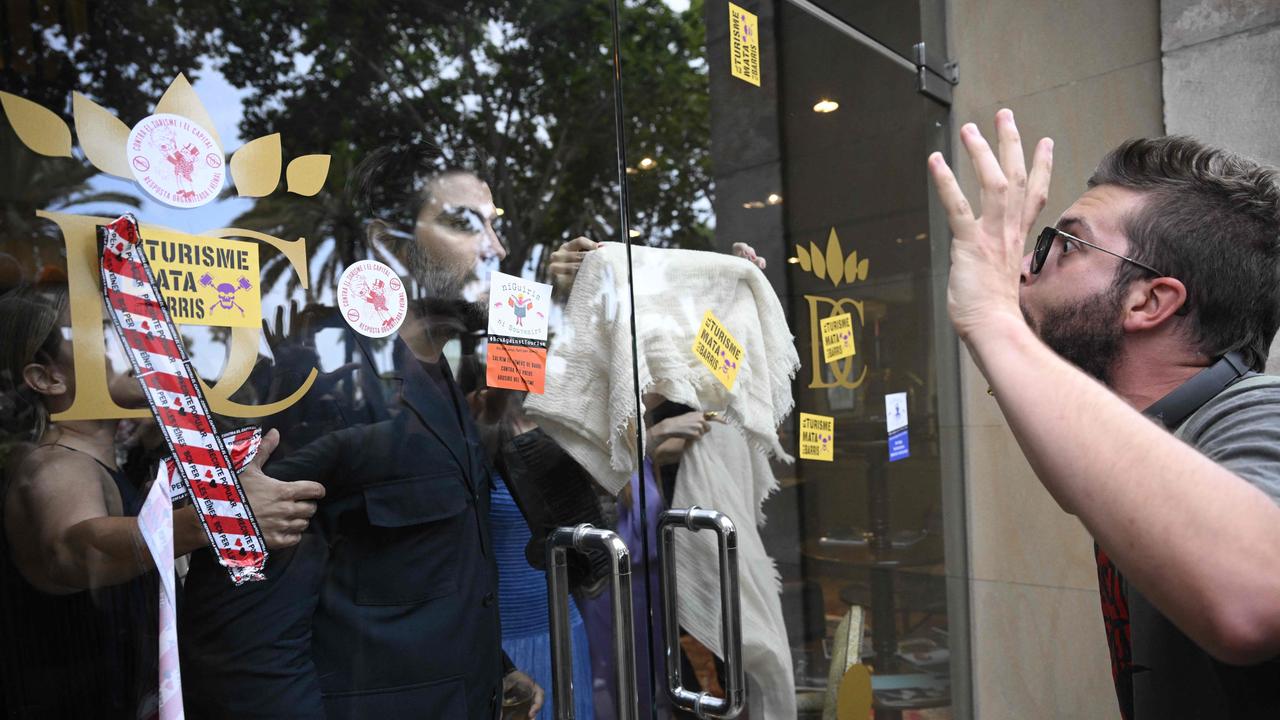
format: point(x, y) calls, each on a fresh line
point(243, 445)
point(160, 362)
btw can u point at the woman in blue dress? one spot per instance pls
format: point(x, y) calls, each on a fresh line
point(522, 599)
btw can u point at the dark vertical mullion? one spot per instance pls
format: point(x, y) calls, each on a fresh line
point(624, 229)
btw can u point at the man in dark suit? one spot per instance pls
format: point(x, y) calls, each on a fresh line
point(388, 607)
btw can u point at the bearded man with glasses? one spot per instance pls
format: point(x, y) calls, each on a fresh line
point(1125, 353)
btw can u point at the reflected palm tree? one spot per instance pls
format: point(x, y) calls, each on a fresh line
point(34, 182)
point(519, 92)
point(330, 221)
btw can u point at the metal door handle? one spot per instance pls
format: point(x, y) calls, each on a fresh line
point(584, 537)
point(735, 689)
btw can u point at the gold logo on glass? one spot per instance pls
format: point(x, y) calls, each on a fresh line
point(833, 264)
point(838, 268)
point(255, 169)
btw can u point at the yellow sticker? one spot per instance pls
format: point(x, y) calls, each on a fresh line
point(817, 437)
point(717, 349)
point(744, 45)
point(837, 338)
point(205, 280)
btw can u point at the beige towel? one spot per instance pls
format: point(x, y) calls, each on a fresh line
point(589, 407)
point(719, 471)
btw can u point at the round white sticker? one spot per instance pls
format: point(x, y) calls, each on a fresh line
point(175, 160)
point(372, 299)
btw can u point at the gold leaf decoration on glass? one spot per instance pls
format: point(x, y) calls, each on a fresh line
point(37, 127)
point(835, 259)
point(833, 263)
point(802, 256)
point(306, 175)
point(103, 136)
point(819, 262)
point(256, 166)
point(181, 99)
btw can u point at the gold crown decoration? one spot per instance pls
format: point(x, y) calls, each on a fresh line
point(254, 167)
point(833, 264)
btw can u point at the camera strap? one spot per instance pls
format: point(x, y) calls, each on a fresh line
point(1178, 405)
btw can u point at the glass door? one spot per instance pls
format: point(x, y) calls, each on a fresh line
point(796, 368)
point(476, 271)
point(345, 217)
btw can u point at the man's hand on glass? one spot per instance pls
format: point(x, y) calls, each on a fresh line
point(987, 250)
point(283, 509)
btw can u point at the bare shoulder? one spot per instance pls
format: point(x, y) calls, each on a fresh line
point(54, 475)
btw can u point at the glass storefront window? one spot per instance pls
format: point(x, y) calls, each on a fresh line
point(476, 271)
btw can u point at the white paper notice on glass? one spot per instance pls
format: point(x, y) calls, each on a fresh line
point(895, 411)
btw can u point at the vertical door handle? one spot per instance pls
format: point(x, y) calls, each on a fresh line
point(702, 704)
point(584, 537)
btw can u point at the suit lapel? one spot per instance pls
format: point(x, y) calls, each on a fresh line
point(421, 394)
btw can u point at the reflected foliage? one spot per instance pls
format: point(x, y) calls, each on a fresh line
point(520, 91)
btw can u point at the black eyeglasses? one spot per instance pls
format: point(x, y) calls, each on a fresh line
point(1045, 242)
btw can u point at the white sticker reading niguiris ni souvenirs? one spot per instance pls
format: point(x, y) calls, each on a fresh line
point(517, 349)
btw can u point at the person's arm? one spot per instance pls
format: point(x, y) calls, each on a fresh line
point(76, 544)
point(1199, 542)
point(667, 439)
point(67, 540)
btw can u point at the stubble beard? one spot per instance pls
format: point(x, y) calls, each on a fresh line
point(1086, 334)
point(442, 292)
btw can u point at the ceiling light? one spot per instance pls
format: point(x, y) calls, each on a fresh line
point(753, 205)
point(825, 106)
point(793, 260)
point(773, 199)
point(647, 163)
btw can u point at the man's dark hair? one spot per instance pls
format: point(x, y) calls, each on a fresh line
point(1211, 219)
point(393, 182)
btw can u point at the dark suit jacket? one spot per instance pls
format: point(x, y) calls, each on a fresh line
point(387, 609)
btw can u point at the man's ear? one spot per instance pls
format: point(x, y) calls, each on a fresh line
point(1153, 302)
point(376, 232)
point(44, 379)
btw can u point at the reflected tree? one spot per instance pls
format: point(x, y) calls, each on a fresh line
point(520, 91)
point(123, 55)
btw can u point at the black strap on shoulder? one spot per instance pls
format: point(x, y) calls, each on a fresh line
point(1178, 405)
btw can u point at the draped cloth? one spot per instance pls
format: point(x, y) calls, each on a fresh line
point(720, 471)
point(589, 408)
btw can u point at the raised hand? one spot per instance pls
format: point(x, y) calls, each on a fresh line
point(987, 251)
